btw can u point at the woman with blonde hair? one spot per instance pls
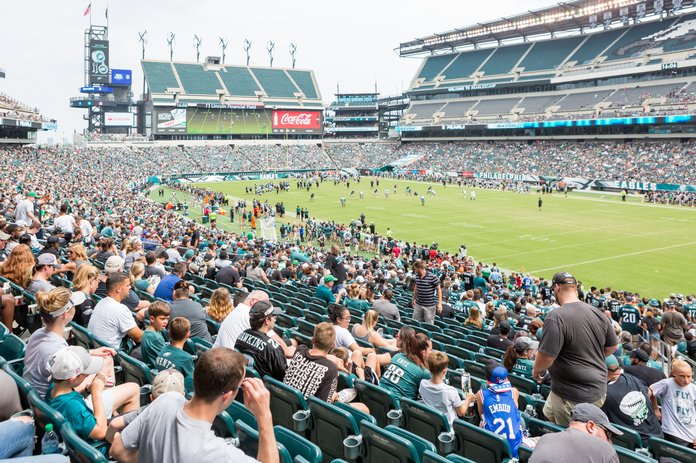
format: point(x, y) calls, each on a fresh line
point(220, 305)
point(366, 331)
point(78, 254)
point(133, 250)
point(84, 285)
point(137, 273)
point(474, 319)
point(18, 266)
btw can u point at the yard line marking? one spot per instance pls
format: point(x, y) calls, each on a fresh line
point(620, 256)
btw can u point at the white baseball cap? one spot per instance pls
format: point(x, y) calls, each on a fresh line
point(73, 361)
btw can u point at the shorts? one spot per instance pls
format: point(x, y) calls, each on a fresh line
point(107, 399)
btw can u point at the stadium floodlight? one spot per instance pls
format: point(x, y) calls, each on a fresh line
point(197, 43)
point(293, 50)
point(246, 45)
point(170, 42)
point(270, 47)
point(223, 45)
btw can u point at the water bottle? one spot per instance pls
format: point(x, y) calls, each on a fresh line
point(529, 410)
point(49, 442)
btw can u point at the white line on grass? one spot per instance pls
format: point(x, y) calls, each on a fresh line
point(619, 256)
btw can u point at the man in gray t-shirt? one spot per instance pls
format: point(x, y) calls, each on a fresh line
point(193, 312)
point(577, 338)
point(386, 308)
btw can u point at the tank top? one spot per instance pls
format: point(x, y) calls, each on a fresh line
point(501, 416)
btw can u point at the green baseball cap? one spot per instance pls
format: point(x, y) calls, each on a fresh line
point(33, 194)
point(329, 278)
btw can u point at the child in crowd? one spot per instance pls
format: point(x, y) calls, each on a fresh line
point(87, 416)
point(173, 355)
point(438, 395)
point(152, 341)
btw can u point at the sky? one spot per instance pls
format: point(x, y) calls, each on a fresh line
point(346, 43)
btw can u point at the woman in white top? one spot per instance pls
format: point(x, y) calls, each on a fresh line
point(340, 317)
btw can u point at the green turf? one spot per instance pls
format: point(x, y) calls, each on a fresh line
point(631, 246)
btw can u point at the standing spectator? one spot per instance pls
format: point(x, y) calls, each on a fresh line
point(427, 295)
point(267, 355)
point(334, 264)
point(577, 338)
point(111, 321)
point(193, 311)
point(628, 402)
point(156, 434)
point(673, 324)
point(678, 396)
point(589, 434)
point(24, 212)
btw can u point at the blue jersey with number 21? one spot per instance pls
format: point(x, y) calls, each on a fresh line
point(502, 417)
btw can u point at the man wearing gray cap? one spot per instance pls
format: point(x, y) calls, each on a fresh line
point(589, 434)
point(577, 338)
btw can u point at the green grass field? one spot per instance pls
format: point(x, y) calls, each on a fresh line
point(632, 246)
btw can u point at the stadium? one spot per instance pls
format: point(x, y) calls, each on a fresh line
point(494, 265)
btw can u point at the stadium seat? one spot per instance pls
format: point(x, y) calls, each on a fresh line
point(380, 446)
point(79, 450)
point(297, 446)
point(630, 440)
point(524, 454)
point(479, 444)
point(454, 458)
point(468, 345)
point(523, 384)
point(223, 426)
point(239, 412)
point(329, 427)
point(475, 368)
point(358, 415)
point(45, 414)
point(23, 385)
point(420, 443)
point(432, 457)
point(285, 401)
point(379, 400)
point(213, 326)
point(629, 456)
point(12, 349)
point(423, 420)
point(661, 448)
point(134, 370)
point(82, 337)
point(538, 428)
point(345, 381)
point(460, 352)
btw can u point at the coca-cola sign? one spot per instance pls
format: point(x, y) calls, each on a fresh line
point(296, 121)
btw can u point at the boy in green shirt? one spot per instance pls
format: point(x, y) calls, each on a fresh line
point(152, 342)
point(173, 355)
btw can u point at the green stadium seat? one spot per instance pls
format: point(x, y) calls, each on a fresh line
point(479, 444)
point(330, 426)
point(23, 385)
point(495, 353)
point(523, 384)
point(420, 443)
point(297, 445)
point(275, 82)
point(474, 368)
point(630, 440)
point(432, 457)
point(345, 381)
point(629, 456)
point(423, 420)
point(468, 345)
point(380, 446)
point(524, 454)
point(133, 370)
point(454, 458)
point(460, 352)
point(304, 80)
point(44, 413)
point(239, 412)
point(661, 448)
point(358, 415)
point(239, 81)
point(538, 428)
point(285, 401)
point(223, 426)
point(379, 400)
point(12, 349)
point(249, 439)
point(82, 337)
point(79, 450)
point(160, 76)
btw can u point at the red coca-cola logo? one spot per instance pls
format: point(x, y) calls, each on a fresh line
point(296, 120)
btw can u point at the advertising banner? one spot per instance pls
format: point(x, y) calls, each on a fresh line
point(118, 119)
point(121, 76)
point(167, 121)
point(293, 121)
point(99, 62)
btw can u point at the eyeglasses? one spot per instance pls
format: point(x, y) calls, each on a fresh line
point(609, 434)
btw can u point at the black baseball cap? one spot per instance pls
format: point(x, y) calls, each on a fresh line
point(640, 355)
point(263, 309)
point(564, 278)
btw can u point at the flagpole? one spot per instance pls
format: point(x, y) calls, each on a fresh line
point(90, 15)
point(107, 15)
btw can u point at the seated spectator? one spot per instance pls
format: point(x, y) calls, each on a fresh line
point(18, 266)
point(151, 267)
point(497, 404)
point(344, 362)
point(366, 331)
point(640, 369)
point(193, 311)
point(229, 276)
point(173, 355)
point(589, 434)
point(340, 317)
point(407, 368)
point(500, 340)
point(219, 374)
point(17, 437)
point(165, 288)
point(152, 341)
point(56, 312)
point(440, 396)
point(220, 305)
point(628, 402)
point(107, 248)
point(112, 321)
point(353, 300)
point(88, 416)
point(678, 414)
point(310, 372)
point(114, 264)
point(519, 357)
point(474, 319)
point(385, 307)
point(137, 272)
point(324, 291)
point(266, 355)
point(46, 266)
point(84, 285)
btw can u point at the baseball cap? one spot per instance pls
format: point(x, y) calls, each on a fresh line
point(52, 239)
point(48, 259)
point(189, 254)
point(72, 361)
point(4, 236)
point(496, 375)
point(524, 342)
point(587, 412)
point(504, 325)
point(654, 303)
point(612, 361)
point(564, 278)
point(641, 355)
point(168, 381)
point(33, 194)
point(263, 309)
point(113, 264)
point(329, 278)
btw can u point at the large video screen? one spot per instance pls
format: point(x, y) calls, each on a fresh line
point(224, 121)
point(169, 120)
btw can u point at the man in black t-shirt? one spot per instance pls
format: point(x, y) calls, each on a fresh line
point(640, 369)
point(467, 280)
point(229, 276)
point(310, 372)
point(268, 356)
point(500, 340)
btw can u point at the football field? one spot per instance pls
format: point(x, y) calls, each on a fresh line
point(633, 246)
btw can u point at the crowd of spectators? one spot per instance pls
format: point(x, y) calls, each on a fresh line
point(10, 107)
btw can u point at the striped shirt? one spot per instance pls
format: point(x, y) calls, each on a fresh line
point(426, 289)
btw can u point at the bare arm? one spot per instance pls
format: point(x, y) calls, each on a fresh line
point(257, 399)
point(609, 350)
point(121, 454)
point(99, 431)
point(542, 363)
point(135, 333)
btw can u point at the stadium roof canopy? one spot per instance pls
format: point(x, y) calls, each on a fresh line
point(567, 16)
